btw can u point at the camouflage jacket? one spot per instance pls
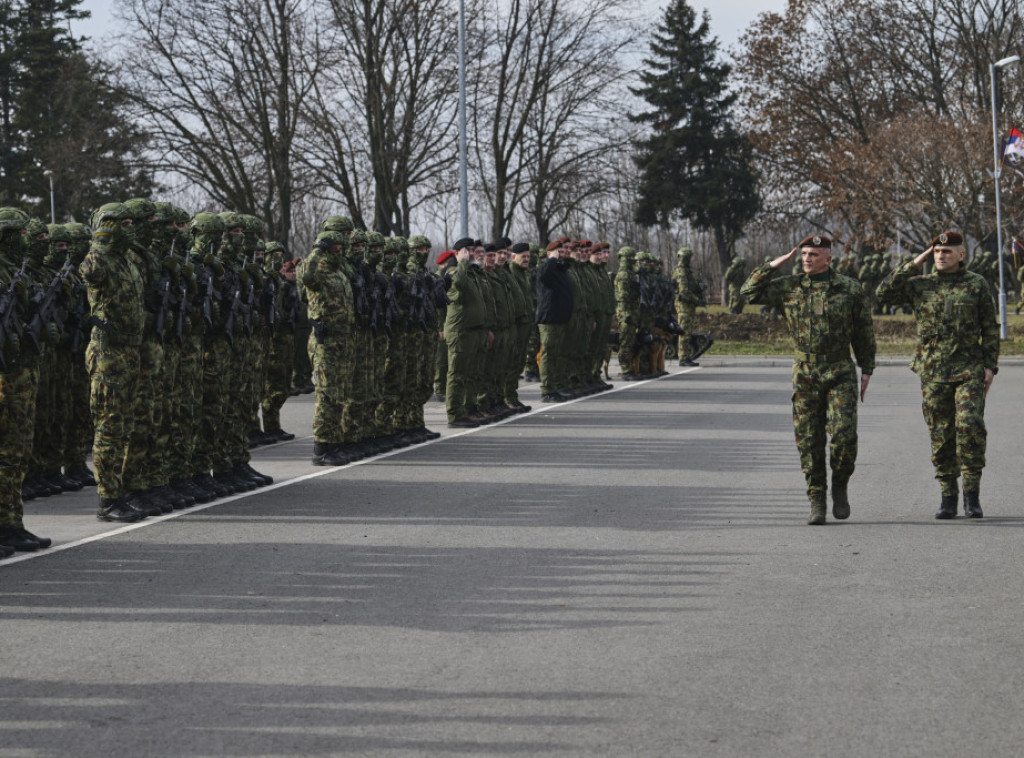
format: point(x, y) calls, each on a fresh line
point(824, 318)
point(330, 294)
point(627, 291)
point(957, 328)
point(116, 292)
point(688, 291)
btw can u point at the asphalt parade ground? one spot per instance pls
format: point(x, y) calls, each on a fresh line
point(628, 574)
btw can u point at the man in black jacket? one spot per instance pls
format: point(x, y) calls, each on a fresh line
point(554, 309)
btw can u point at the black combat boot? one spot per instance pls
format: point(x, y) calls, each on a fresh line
point(972, 505)
point(947, 508)
point(83, 475)
point(17, 538)
point(840, 501)
point(262, 480)
point(116, 509)
point(320, 452)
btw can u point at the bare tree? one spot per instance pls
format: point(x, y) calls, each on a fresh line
point(543, 81)
point(383, 117)
point(219, 86)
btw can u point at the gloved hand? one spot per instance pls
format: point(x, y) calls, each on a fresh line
point(68, 286)
point(254, 271)
point(188, 270)
point(215, 265)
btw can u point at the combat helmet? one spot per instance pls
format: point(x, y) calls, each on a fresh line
point(206, 231)
point(341, 224)
point(142, 211)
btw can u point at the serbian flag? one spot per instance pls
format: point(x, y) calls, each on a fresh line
point(1013, 151)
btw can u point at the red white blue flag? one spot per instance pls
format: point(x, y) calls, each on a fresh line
point(1013, 151)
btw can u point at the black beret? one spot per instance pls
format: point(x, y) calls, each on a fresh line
point(490, 248)
point(503, 242)
point(816, 240)
point(521, 247)
point(464, 242)
point(948, 239)
point(478, 243)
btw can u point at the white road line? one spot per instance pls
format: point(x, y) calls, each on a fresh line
point(21, 557)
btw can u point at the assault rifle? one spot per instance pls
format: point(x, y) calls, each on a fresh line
point(46, 306)
point(11, 326)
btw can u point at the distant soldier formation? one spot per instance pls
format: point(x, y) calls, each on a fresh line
point(165, 344)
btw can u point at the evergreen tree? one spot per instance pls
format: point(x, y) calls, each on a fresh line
point(694, 164)
point(58, 111)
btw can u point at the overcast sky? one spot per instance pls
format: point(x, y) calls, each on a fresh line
point(729, 18)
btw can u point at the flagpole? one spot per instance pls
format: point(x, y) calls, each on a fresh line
point(1003, 330)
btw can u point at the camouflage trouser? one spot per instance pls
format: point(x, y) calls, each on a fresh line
point(146, 417)
point(80, 422)
point(113, 382)
point(40, 462)
point(736, 300)
point(464, 348)
point(17, 415)
point(301, 370)
point(554, 373)
point(278, 380)
point(825, 403)
point(186, 425)
point(163, 468)
point(685, 316)
point(627, 342)
point(358, 416)
point(238, 411)
point(332, 377)
point(392, 383)
point(955, 414)
point(54, 423)
point(210, 451)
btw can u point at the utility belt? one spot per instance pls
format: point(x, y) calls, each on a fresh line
point(324, 332)
point(106, 335)
point(836, 356)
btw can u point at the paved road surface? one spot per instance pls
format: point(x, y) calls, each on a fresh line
point(627, 575)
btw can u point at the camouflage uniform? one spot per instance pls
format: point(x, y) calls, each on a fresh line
point(18, 379)
point(688, 296)
point(331, 317)
point(278, 380)
point(116, 294)
point(627, 305)
point(734, 277)
point(826, 316)
point(957, 339)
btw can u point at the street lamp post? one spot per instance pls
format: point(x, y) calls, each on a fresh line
point(53, 207)
point(463, 173)
point(1003, 332)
